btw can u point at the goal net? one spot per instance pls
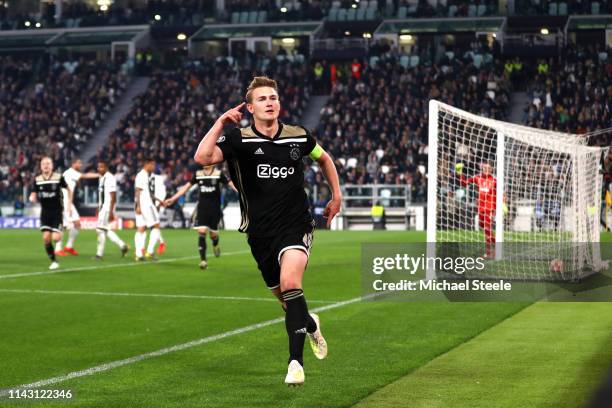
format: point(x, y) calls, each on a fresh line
point(527, 200)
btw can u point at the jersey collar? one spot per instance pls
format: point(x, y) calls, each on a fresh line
point(258, 133)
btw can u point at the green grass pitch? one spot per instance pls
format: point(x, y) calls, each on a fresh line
point(381, 354)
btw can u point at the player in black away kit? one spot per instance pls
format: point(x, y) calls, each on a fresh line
point(265, 163)
point(208, 212)
point(47, 189)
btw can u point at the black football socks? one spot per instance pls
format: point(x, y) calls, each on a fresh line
point(296, 322)
point(50, 251)
point(202, 246)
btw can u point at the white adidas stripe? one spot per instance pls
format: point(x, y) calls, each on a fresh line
point(278, 141)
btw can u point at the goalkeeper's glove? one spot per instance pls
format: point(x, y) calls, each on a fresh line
point(459, 168)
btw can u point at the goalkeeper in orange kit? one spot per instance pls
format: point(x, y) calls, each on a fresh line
point(487, 198)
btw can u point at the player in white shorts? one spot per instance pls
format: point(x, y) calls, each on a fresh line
point(147, 215)
point(107, 200)
point(71, 217)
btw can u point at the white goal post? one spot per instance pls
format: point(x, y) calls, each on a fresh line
point(547, 197)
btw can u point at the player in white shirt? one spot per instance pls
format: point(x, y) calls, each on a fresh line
point(72, 219)
point(147, 215)
point(107, 200)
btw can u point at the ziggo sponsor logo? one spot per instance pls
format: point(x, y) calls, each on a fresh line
point(267, 171)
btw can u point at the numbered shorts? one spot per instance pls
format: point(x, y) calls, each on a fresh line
point(268, 251)
point(70, 219)
point(51, 220)
point(148, 217)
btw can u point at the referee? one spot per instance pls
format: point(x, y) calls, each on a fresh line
point(265, 164)
point(47, 188)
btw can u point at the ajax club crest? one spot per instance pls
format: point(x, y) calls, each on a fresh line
point(295, 153)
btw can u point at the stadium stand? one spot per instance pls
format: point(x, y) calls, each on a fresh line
point(376, 125)
point(49, 108)
point(574, 93)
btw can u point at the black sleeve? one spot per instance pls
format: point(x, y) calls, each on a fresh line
point(63, 183)
point(310, 143)
point(227, 143)
point(194, 180)
point(34, 186)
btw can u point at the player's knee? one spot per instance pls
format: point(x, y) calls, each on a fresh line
point(290, 281)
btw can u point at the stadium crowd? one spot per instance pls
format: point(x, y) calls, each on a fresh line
point(375, 122)
point(49, 108)
point(573, 94)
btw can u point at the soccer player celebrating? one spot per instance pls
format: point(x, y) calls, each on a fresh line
point(107, 199)
point(208, 213)
point(487, 197)
point(265, 163)
point(47, 189)
point(147, 215)
point(72, 219)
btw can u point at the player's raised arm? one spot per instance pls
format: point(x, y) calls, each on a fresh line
point(208, 152)
point(331, 175)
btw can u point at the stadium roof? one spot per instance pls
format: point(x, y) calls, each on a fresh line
point(93, 37)
point(24, 40)
point(441, 25)
point(225, 31)
point(576, 23)
point(68, 37)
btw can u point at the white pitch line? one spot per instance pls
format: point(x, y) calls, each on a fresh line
point(153, 295)
point(179, 347)
point(95, 267)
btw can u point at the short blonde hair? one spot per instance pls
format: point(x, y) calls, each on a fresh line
point(259, 82)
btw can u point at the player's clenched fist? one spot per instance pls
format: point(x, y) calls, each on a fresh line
point(232, 116)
